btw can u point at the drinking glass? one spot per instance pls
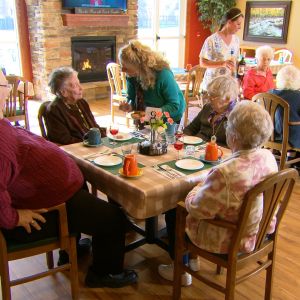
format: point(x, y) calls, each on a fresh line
point(126, 148)
point(113, 129)
point(178, 145)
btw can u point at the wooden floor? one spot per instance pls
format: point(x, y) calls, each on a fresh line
point(146, 259)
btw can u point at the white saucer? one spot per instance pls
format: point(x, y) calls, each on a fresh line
point(189, 164)
point(192, 140)
point(213, 162)
point(108, 160)
point(121, 136)
point(86, 144)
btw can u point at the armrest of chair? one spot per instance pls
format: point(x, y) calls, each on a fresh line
point(63, 223)
point(294, 123)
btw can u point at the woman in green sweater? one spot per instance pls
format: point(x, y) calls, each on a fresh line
point(150, 82)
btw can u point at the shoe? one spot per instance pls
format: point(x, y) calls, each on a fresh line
point(194, 264)
point(167, 272)
point(83, 248)
point(93, 280)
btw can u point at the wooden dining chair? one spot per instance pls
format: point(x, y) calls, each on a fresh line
point(282, 148)
point(192, 90)
point(118, 89)
point(15, 108)
point(10, 250)
point(42, 119)
point(276, 190)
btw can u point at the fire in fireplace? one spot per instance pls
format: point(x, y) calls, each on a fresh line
point(91, 54)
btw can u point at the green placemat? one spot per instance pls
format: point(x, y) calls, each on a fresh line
point(106, 142)
point(187, 172)
point(115, 169)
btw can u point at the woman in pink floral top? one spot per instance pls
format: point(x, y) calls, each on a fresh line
point(222, 193)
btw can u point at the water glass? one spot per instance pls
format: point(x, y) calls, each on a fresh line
point(126, 148)
point(190, 151)
point(170, 138)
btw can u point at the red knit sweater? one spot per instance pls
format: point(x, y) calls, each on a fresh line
point(34, 173)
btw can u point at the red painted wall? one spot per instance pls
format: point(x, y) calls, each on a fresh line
point(195, 34)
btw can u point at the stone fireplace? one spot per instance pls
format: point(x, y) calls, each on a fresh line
point(51, 31)
point(91, 54)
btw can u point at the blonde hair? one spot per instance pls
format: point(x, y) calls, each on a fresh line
point(147, 61)
point(250, 124)
point(288, 78)
point(264, 50)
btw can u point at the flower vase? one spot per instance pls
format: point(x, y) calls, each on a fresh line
point(152, 136)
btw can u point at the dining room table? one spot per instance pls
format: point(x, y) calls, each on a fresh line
point(151, 193)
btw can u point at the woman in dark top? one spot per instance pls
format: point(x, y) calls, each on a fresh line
point(222, 92)
point(288, 88)
point(68, 117)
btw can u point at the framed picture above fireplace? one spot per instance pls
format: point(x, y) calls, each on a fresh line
point(267, 21)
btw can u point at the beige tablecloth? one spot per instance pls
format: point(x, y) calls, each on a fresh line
point(142, 197)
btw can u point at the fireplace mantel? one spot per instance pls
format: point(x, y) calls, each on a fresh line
point(79, 20)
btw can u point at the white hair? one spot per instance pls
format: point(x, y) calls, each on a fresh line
point(225, 87)
point(250, 124)
point(288, 78)
point(264, 50)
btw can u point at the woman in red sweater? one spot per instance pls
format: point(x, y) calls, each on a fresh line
point(36, 174)
point(260, 78)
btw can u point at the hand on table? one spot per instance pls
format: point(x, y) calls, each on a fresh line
point(29, 218)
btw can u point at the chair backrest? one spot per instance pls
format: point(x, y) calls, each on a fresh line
point(42, 118)
point(194, 80)
point(16, 103)
point(285, 54)
point(276, 190)
point(116, 78)
point(271, 103)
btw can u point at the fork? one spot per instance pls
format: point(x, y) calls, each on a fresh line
point(162, 171)
point(89, 156)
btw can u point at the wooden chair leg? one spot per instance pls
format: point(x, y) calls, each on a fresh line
point(5, 286)
point(269, 277)
point(219, 270)
point(230, 283)
point(74, 269)
point(50, 262)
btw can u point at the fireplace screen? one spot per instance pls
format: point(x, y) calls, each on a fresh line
point(91, 54)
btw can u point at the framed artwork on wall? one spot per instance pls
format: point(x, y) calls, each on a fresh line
point(267, 21)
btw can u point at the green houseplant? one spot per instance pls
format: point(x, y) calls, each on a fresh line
point(211, 11)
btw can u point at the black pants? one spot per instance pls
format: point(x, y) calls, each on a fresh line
point(105, 222)
point(170, 218)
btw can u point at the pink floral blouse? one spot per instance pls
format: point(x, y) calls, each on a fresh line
point(221, 196)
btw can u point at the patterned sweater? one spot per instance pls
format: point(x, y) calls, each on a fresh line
point(34, 173)
point(221, 196)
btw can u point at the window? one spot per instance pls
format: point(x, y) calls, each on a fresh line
point(9, 43)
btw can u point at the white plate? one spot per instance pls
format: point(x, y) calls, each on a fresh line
point(213, 162)
point(188, 139)
point(121, 136)
point(108, 160)
point(189, 164)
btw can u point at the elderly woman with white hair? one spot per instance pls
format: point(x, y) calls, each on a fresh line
point(259, 79)
point(288, 88)
point(222, 94)
point(221, 194)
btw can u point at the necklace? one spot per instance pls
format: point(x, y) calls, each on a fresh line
point(214, 133)
point(83, 119)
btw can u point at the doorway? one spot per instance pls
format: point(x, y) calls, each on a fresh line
point(161, 25)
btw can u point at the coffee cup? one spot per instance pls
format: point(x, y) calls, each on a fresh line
point(93, 137)
point(213, 152)
point(130, 166)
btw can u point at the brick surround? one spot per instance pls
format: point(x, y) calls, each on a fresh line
point(50, 40)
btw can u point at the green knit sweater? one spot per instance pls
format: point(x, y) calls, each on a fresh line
point(165, 94)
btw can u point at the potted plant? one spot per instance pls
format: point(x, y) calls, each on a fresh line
point(212, 11)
